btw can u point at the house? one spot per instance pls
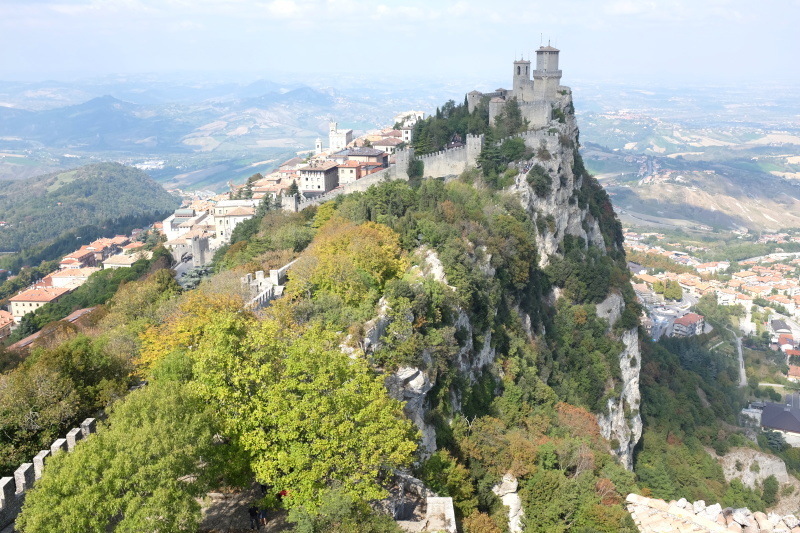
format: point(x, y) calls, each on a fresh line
point(292, 164)
point(32, 299)
point(785, 342)
point(636, 269)
point(83, 257)
point(319, 178)
point(794, 373)
point(726, 297)
point(71, 278)
point(647, 278)
point(779, 326)
point(688, 325)
point(387, 144)
point(349, 171)
point(363, 155)
point(745, 275)
point(6, 323)
point(125, 260)
point(230, 213)
point(783, 418)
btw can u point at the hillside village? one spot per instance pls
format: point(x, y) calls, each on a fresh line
point(205, 223)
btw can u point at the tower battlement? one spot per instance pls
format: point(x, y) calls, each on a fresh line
point(535, 90)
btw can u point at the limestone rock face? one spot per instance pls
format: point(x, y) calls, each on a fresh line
point(411, 385)
point(626, 428)
point(768, 465)
point(506, 490)
point(611, 308)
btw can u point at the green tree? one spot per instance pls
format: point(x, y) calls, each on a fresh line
point(310, 416)
point(141, 472)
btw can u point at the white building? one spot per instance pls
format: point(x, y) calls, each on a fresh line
point(230, 213)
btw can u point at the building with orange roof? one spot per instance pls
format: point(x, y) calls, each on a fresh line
point(71, 278)
point(6, 323)
point(688, 325)
point(32, 299)
point(82, 257)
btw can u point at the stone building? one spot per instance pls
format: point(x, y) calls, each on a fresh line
point(319, 178)
point(32, 299)
point(535, 91)
point(338, 140)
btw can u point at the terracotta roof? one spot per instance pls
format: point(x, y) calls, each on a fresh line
point(688, 319)
point(389, 141)
point(319, 167)
point(5, 318)
point(241, 212)
point(45, 294)
point(74, 272)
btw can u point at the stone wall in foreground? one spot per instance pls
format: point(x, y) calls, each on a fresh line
point(657, 516)
point(12, 489)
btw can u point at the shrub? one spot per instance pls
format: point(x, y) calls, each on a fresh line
point(540, 180)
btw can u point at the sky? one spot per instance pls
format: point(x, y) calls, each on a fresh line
point(679, 42)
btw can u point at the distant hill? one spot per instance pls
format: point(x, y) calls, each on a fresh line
point(103, 123)
point(39, 209)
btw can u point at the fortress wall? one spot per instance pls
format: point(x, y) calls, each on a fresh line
point(13, 489)
point(534, 138)
point(445, 163)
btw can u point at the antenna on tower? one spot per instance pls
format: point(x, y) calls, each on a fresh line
point(541, 39)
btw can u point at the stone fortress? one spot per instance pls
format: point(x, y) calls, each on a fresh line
point(540, 98)
point(535, 97)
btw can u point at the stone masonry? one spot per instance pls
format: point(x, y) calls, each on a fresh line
point(657, 516)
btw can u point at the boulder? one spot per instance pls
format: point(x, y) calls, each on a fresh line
point(698, 506)
point(742, 516)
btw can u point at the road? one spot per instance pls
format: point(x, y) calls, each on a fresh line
point(742, 375)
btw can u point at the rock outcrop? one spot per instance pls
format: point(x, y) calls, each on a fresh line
point(567, 217)
point(506, 490)
point(623, 422)
point(657, 516)
point(411, 385)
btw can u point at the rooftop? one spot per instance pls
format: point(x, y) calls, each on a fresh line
point(41, 294)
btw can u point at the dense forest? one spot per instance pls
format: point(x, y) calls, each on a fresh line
point(57, 206)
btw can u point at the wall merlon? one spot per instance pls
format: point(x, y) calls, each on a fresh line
point(24, 477)
point(38, 462)
point(73, 436)
point(7, 492)
point(88, 426)
point(58, 445)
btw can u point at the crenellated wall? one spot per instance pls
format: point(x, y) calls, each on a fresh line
point(13, 489)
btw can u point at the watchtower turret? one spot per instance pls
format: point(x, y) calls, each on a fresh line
point(546, 77)
point(522, 80)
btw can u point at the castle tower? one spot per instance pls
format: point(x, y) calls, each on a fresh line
point(318, 146)
point(522, 80)
point(546, 77)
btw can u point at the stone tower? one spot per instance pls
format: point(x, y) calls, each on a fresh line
point(318, 146)
point(546, 77)
point(522, 88)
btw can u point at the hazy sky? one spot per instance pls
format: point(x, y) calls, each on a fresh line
point(683, 42)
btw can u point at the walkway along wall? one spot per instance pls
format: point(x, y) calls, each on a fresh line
point(13, 489)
